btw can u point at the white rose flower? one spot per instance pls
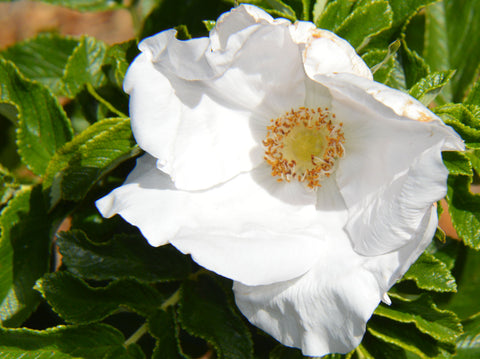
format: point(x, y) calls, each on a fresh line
point(274, 159)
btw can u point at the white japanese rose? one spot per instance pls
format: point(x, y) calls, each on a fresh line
point(274, 159)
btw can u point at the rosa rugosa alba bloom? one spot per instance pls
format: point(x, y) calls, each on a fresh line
point(274, 159)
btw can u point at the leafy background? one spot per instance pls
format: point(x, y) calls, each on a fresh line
point(75, 285)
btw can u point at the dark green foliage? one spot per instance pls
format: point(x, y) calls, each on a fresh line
point(64, 117)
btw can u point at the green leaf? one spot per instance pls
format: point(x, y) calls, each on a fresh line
point(76, 167)
point(398, 79)
point(435, 50)
point(382, 62)
point(414, 66)
point(119, 56)
point(334, 14)
point(463, 27)
point(205, 312)
point(444, 249)
point(209, 24)
point(429, 87)
point(430, 273)
point(43, 59)
point(403, 11)
point(364, 22)
point(468, 345)
point(473, 97)
point(407, 337)
point(76, 302)
point(474, 157)
point(441, 325)
point(318, 9)
point(162, 327)
point(182, 32)
point(85, 66)
point(121, 257)
point(24, 252)
point(278, 8)
point(88, 5)
point(43, 126)
point(65, 342)
point(452, 42)
point(373, 348)
point(7, 186)
point(465, 302)
point(465, 119)
point(282, 352)
point(170, 13)
point(464, 209)
point(457, 163)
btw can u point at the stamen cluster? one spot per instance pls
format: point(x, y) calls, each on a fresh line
point(304, 144)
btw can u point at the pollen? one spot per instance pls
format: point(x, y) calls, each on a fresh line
point(304, 145)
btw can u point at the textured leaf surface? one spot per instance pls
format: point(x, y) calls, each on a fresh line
point(85, 66)
point(407, 337)
point(65, 342)
point(402, 10)
point(43, 126)
point(373, 348)
point(119, 57)
point(24, 252)
point(365, 22)
point(43, 59)
point(473, 97)
point(464, 208)
point(278, 8)
point(465, 119)
point(204, 311)
point(441, 325)
point(457, 163)
point(382, 63)
point(81, 162)
point(430, 273)
point(468, 345)
point(121, 257)
point(334, 14)
point(429, 87)
point(162, 327)
point(77, 302)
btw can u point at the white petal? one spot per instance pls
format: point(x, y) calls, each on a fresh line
point(382, 144)
point(322, 312)
point(203, 111)
point(251, 229)
point(326, 310)
point(239, 18)
point(391, 218)
point(325, 53)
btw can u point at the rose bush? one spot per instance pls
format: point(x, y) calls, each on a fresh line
point(275, 160)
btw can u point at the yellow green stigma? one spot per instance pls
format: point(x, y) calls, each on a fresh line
point(304, 144)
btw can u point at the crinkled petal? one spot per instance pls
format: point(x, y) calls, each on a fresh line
point(250, 229)
point(387, 133)
point(391, 218)
point(326, 310)
point(202, 109)
point(325, 53)
point(238, 19)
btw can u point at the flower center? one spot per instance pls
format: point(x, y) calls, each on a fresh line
point(304, 145)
